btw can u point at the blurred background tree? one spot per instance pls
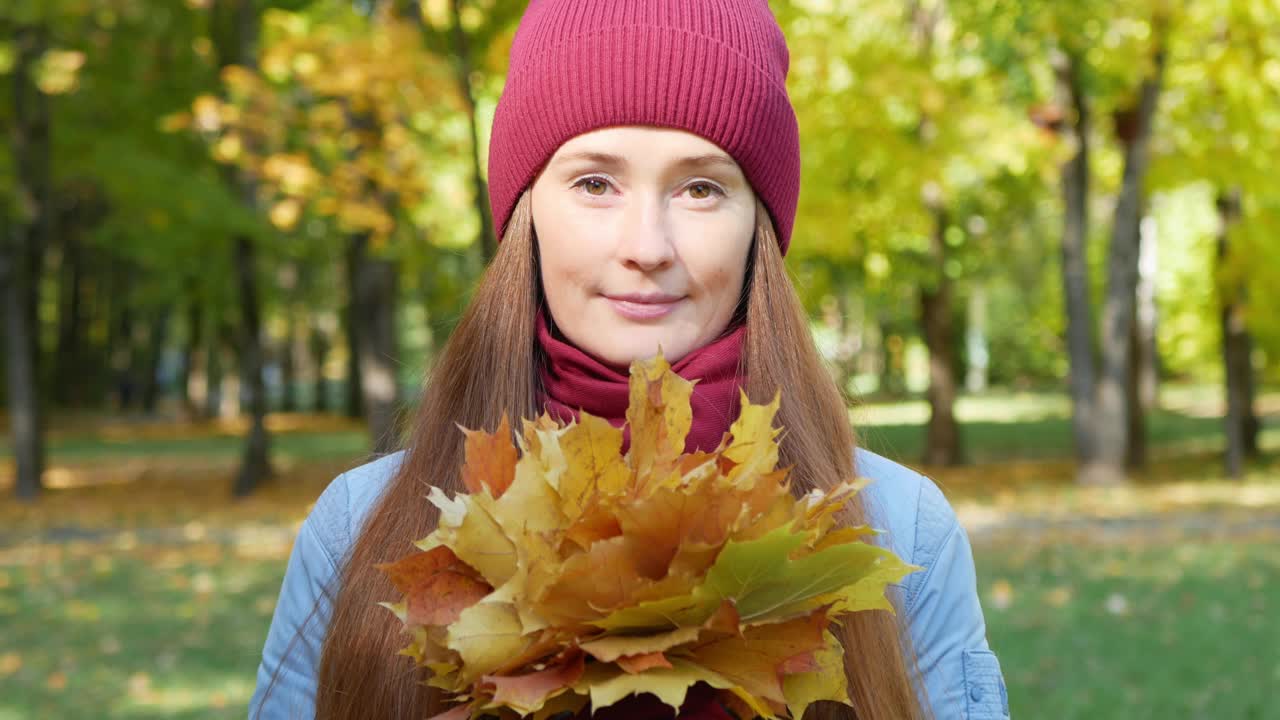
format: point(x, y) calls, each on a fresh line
point(231, 208)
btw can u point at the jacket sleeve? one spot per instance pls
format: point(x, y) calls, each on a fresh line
point(286, 682)
point(961, 674)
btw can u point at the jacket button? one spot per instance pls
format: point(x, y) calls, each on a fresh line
point(976, 693)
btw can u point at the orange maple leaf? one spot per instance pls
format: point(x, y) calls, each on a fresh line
point(490, 459)
point(526, 693)
point(635, 664)
point(437, 586)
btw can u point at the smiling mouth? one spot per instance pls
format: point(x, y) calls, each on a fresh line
point(644, 307)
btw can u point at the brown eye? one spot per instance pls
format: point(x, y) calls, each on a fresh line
point(701, 191)
point(594, 186)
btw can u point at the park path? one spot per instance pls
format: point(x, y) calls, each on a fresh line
point(1143, 528)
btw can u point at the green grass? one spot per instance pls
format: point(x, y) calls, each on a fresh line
point(1187, 631)
point(999, 425)
point(80, 448)
point(96, 632)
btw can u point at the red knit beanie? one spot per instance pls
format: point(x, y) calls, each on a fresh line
point(716, 68)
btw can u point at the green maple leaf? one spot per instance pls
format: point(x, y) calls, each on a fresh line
point(765, 583)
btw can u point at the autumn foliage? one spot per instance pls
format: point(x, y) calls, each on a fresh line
point(571, 574)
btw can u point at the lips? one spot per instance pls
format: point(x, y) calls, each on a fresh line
point(644, 306)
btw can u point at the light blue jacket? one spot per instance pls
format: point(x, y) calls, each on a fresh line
point(962, 676)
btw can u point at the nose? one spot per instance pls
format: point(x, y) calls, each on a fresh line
point(646, 242)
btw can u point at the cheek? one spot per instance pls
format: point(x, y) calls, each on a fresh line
point(562, 242)
point(562, 277)
point(720, 268)
point(717, 277)
point(569, 260)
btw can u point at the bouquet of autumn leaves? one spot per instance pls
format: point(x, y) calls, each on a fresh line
point(571, 574)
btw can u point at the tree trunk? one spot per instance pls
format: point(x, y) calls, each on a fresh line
point(1237, 349)
point(107, 310)
point(214, 386)
point(254, 464)
point(123, 353)
point(132, 356)
point(375, 295)
point(1148, 315)
point(150, 381)
point(69, 364)
point(92, 321)
point(352, 321)
point(1136, 449)
point(235, 24)
point(36, 252)
point(1140, 387)
point(462, 73)
point(1252, 424)
point(1236, 345)
point(1075, 264)
point(74, 368)
point(32, 154)
point(289, 362)
point(1118, 312)
point(21, 259)
point(942, 446)
point(319, 354)
point(23, 404)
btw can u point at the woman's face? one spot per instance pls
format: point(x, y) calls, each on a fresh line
point(643, 235)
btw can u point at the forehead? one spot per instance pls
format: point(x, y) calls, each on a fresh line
point(644, 145)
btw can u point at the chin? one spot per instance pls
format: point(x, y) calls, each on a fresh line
point(626, 345)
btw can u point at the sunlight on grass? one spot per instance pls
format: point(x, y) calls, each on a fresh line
point(1132, 499)
point(1000, 426)
point(995, 407)
point(1135, 633)
point(158, 630)
point(163, 493)
point(144, 699)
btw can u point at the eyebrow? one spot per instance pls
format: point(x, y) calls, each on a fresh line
point(690, 161)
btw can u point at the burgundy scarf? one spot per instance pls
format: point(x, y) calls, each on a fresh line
point(574, 380)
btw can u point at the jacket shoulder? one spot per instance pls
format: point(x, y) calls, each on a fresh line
point(910, 508)
point(353, 495)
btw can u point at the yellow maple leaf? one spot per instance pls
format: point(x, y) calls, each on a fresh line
point(486, 635)
point(670, 684)
point(755, 660)
point(593, 463)
point(479, 540)
point(826, 682)
point(612, 647)
point(659, 416)
point(754, 448)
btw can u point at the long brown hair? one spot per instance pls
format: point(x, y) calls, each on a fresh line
point(489, 367)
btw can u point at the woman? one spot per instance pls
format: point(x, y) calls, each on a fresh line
point(644, 168)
